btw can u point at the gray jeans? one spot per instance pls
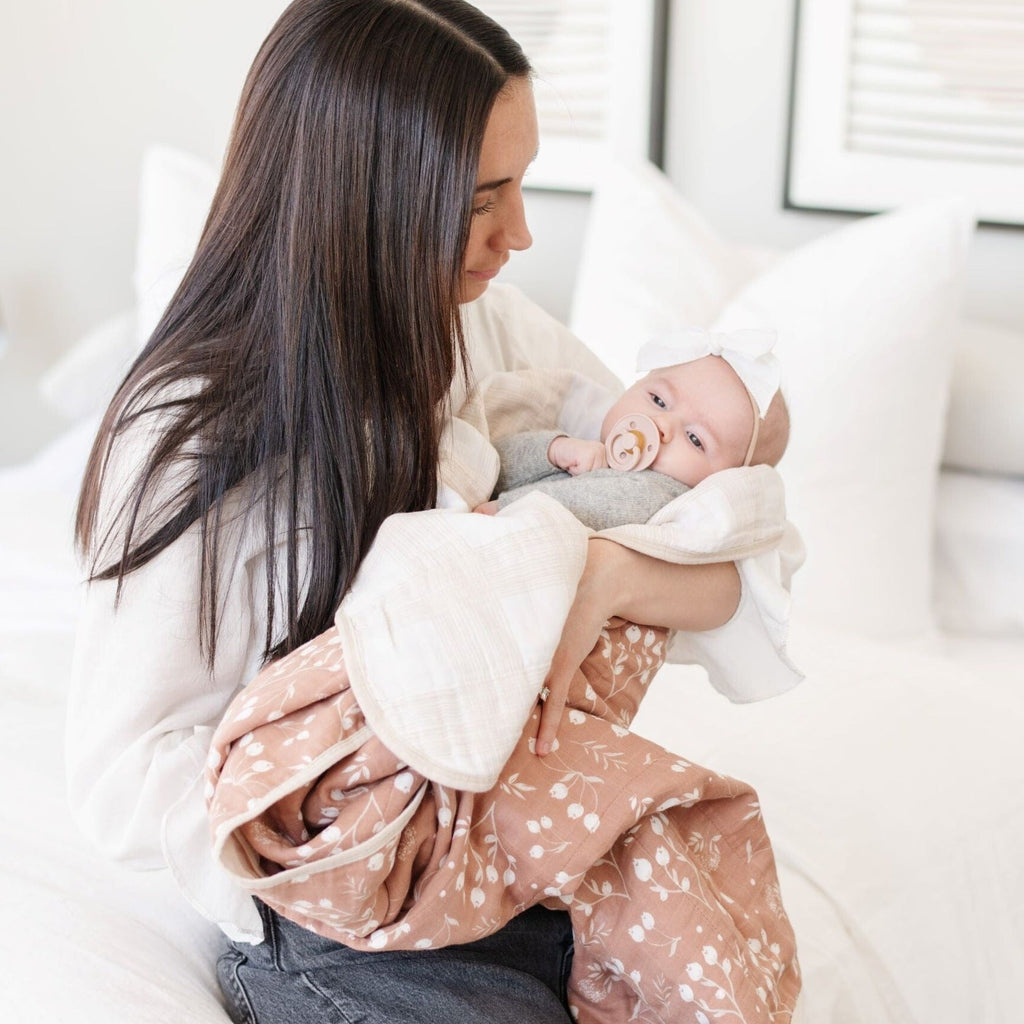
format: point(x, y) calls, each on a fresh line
point(516, 976)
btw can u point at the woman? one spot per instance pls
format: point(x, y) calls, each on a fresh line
point(291, 398)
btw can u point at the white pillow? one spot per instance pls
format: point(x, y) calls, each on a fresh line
point(864, 319)
point(83, 381)
point(174, 198)
point(979, 554)
point(649, 263)
point(985, 426)
point(863, 316)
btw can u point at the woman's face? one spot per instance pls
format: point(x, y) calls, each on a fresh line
point(499, 220)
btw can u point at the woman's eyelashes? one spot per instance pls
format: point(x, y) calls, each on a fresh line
point(486, 208)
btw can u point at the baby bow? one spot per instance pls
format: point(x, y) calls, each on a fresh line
point(748, 352)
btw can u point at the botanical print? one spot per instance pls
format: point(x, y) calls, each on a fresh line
point(664, 866)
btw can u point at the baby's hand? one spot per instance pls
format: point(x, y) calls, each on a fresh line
point(575, 455)
point(488, 508)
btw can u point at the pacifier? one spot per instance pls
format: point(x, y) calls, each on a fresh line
point(632, 443)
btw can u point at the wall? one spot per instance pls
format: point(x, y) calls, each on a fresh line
point(85, 85)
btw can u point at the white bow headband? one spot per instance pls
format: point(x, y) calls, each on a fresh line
point(748, 352)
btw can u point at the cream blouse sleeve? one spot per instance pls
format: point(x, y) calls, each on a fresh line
point(143, 705)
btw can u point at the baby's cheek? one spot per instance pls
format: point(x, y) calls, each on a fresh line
point(700, 471)
point(687, 471)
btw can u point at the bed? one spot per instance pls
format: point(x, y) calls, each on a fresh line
point(890, 779)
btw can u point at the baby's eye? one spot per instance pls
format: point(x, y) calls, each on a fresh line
point(658, 401)
point(695, 440)
point(486, 208)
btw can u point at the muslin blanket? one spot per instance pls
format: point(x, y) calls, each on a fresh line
point(664, 866)
point(378, 785)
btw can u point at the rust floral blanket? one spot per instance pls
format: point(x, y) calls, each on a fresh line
point(664, 866)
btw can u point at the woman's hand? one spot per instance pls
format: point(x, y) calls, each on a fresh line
point(591, 609)
point(620, 583)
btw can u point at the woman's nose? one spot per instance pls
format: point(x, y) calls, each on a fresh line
point(513, 232)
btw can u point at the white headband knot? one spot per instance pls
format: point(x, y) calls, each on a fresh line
point(748, 352)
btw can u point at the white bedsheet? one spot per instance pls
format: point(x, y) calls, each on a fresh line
point(889, 781)
point(84, 939)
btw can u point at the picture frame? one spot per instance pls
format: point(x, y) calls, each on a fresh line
point(600, 82)
point(895, 101)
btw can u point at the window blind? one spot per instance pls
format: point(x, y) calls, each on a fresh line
point(937, 79)
point(569, 44)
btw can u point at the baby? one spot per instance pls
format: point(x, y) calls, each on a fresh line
point(709, 402)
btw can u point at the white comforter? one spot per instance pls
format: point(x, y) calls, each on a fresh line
point(890, 783)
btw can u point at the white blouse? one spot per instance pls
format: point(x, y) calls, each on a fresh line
point(144, 704)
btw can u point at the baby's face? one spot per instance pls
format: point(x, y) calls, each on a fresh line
point(702, 412)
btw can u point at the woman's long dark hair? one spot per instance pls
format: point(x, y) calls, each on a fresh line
point(312, 342)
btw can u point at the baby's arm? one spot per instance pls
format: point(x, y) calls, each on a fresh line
point(599, 497)
point(576, 455)
point(603, 498)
